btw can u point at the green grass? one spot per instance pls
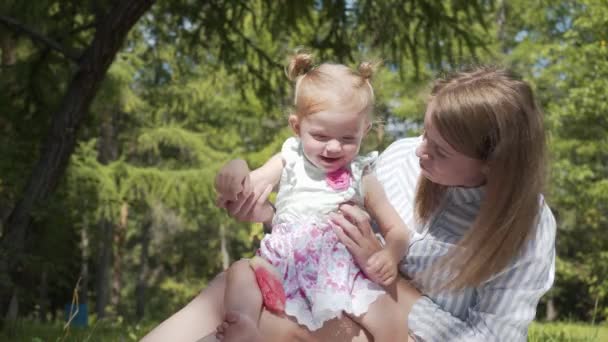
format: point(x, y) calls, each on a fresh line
point(28, 331)
point(567, 331)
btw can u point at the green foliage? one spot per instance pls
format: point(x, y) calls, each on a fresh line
point(564, 45)
point(199, 83)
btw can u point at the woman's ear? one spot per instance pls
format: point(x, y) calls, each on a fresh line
point(294, 123)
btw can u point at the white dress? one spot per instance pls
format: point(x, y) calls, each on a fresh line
point(320, 277)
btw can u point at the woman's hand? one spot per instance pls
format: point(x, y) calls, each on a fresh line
point(232, 181)
point(251, 207)
point(354, 231)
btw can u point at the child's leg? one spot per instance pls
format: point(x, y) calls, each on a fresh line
point(242, 304)
point(384, 320)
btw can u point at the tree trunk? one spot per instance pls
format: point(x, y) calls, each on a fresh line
point(142, 276)
point(119, 241)
point(84, 264)
point(44, 296)
point(551, 310)
point(61, 138)
point(104, 258)
point(7, 46)
point(501, 22)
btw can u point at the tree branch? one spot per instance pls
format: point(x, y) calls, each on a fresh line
point(19, 27)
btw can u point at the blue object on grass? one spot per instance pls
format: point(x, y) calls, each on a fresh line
point(81, 318)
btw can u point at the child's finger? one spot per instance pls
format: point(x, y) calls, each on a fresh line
point(388, 281)
point(236, 205)
point(246, 186)
point(372, 265)
point(236, 189)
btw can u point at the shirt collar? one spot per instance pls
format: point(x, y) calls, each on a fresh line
point(465, 195)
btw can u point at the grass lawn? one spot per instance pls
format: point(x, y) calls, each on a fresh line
point(568, 331)
point(27, 331)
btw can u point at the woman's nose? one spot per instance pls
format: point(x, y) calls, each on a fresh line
point(422, 151)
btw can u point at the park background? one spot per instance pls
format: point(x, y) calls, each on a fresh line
point(116, 115)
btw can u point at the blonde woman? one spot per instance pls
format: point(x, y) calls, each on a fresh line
point(483, 246)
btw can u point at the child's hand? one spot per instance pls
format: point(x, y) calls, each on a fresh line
point(382, 267)
point(232, 181)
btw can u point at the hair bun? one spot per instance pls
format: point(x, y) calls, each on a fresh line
point(299, 64)
point(366, 69)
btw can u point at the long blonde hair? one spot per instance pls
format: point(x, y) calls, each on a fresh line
point(329, 85)
point(489, 114)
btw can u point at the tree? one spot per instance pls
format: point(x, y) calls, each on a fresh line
point(248, 39)
point(111, 29)
point(561, 48)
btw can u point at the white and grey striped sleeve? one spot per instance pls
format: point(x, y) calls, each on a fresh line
point(397, 169)
point(505, 305)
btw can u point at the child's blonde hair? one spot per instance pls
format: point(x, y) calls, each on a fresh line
point(330, 86)
point(491, 115)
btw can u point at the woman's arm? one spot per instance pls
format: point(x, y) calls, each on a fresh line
point(197, 319)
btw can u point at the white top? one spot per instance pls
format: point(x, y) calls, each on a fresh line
point(502, 307)
point(304, 193)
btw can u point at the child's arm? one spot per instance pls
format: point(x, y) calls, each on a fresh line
point(269, 173)
point(383, 264)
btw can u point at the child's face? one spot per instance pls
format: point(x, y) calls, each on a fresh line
point(331, 138)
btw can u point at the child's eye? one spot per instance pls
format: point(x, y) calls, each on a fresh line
point(348, 139)
point(320, 137)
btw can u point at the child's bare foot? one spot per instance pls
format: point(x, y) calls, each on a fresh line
point(238, 328)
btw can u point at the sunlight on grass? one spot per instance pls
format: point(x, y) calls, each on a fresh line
point(28, 331)
point(567, 331)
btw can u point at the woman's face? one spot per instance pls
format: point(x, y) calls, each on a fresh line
point(442, 164)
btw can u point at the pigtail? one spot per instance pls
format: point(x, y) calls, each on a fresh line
point(367, 70)
point(299, 64)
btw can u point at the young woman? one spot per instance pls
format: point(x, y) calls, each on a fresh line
point(483, 251)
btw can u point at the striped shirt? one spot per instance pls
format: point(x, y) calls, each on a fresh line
point(501, 308)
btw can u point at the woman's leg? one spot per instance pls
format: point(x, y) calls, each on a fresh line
point(342, 330)
point(197, 319)
point(384, 320)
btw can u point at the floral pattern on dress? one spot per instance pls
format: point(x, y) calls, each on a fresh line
point(320, 277)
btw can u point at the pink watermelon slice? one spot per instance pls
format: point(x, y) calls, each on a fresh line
point(271, 286)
